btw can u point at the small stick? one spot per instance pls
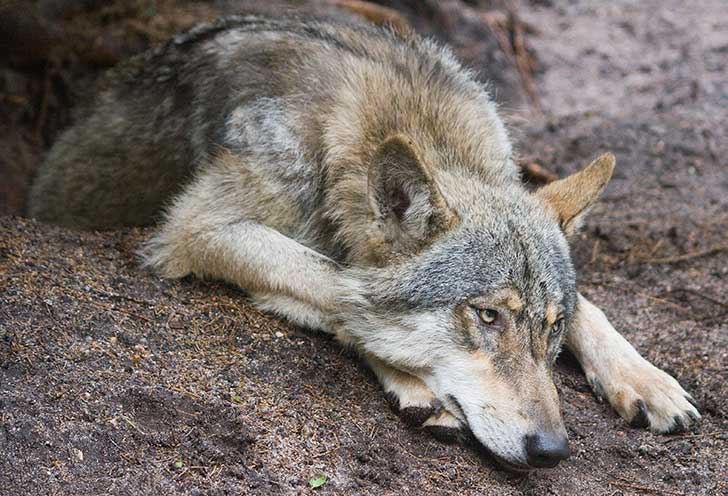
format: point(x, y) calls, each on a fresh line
point(656, 247)
point(126, 419)
point(183, 472)
point(186, 393)
point(113, 309)
point(525, 63)
point(665, 302)
point(691, 436)
point(376, 14)
point(595, 252)
point(538, 173)
point(686, 256)
point(699, 294)
point(621, 482)
point(182, 391)
point(109, 294)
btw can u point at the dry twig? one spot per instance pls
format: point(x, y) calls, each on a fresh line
point(686, 256)
point(698, 294)
point(376, 14)
point(628, 484)
point(509, 32)
point(537, 173)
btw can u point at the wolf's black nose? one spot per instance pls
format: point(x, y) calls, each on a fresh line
point(546, 449)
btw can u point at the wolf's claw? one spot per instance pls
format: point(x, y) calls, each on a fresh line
point(640, 418)
point(680, 424)
point(692, 402)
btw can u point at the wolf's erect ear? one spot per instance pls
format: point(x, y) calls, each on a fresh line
point(571, 197)
point(406, 204)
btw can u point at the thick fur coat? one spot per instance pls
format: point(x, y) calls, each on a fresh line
point(360, 181)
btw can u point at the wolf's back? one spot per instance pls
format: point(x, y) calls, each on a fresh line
point(160, 115)
point(126, 154)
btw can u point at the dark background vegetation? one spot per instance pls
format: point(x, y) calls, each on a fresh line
point(113, 381)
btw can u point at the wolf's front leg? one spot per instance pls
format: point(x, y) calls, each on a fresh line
point(210, 240)
point(640, 392)
point(255, 258)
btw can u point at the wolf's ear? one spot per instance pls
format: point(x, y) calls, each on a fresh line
point(571, 197)
point(405, 202)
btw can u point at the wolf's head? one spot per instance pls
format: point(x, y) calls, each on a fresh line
point(475, 292)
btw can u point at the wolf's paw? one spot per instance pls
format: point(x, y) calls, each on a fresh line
point(646, 396)
point(418, 407)
point(445, 427)
point(413, 401)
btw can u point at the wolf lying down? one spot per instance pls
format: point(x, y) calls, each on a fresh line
point(360, 181)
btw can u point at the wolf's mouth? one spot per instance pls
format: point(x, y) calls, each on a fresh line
point(470, 439)
point(512, 467)
point(456, 409)
point(509, 465)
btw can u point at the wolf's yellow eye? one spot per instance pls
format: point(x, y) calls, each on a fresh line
point(488, 315)
point(557, 328)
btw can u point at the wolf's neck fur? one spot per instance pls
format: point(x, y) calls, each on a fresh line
point(449, 118)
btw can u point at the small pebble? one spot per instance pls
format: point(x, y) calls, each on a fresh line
point(77, 454)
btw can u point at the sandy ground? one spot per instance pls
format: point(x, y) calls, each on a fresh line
point(114, 381)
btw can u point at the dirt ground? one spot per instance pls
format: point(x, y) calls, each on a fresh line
point(114, 381)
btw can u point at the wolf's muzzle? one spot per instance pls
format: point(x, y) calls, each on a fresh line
point(546, 449)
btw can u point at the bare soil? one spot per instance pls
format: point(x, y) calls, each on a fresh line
point(114, 381)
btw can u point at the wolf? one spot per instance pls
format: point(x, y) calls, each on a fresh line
point(359, 180)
